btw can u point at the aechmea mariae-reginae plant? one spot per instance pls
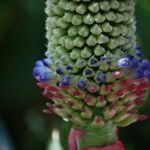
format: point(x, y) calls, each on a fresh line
point(95, 74)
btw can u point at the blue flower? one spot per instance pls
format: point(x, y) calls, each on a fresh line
point(147, 74)
point(124, 62)
point(145, 64)
point(46, 76)
point(134, 63)
point(38, 70)
point(137, 47)
point(46, 62)
point(139, 74)
point(130, 56)
point(69, 67)
point(81, 84)
point(66, 80)
point(100, 77)
point(41, 72)
point(93, 61)
point(59, 71)
point(104, 59)
point(39, 63)
point(88, 71)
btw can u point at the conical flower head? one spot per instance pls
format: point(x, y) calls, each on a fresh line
point(94, 71)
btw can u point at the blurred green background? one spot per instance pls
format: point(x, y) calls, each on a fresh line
point(22, 42)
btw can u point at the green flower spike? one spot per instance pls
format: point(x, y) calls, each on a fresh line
point(95, 74)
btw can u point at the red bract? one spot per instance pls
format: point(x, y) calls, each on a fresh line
point(48, 94)
point(132, 87)
point(138, 102)
point(120, 92)
point(101, 98)
point(88, 99)
point(125, 82)
point(143, 117)
point(108, 88)
point(76, 93)
point(142, 86)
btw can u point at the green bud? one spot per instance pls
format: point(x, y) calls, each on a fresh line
point(112, 44)
point(122, 7)
point(57, 10)
point(83, 31)
point(102, 39)
point(123, 29)
point(69, 43)
point(114, 4)
point(104, 5)
point(110, 16)
point(62, 24)
point(116, 31)
point(81, 8)
point(58, 32)
point(77, 20)
point(71, 6)
point(88, 19)
point(52, 22)
point(67, 17)
point(126, 17)
point(80, 63)
point(62, 40)
point(99, 50)
point(54, 39)
point(107, 27)
point(60, 50)
point(94, 7)
point(99, 18)
point(75, 54)
point(96, 29)
point(91, 40)
point(119, 18)
point(121, 40)
point(73, 31)
point(104, 66)
point(62, 4)
point(113, 65)
point(79, 41)
point(86, 52)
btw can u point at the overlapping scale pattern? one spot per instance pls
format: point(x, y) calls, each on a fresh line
point(94, 72)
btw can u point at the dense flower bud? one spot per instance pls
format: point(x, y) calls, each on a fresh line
point(94, 71)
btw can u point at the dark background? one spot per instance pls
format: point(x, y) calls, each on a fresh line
point(22, 42)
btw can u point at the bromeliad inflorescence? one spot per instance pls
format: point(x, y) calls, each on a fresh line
point(94, 72)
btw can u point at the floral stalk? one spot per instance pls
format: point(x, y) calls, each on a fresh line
point(94, 75)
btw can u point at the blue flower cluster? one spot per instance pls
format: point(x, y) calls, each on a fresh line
point(139, 66)
point(41, 71)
